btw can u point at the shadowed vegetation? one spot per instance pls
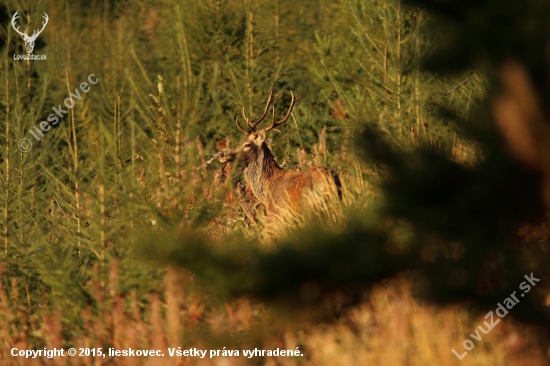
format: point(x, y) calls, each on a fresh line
point(119, 229)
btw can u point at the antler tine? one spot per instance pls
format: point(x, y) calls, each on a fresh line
point(292, 102)
point(239, 126)
point(37, 32)
point(273, 119)
point(16, 28)
point(270, 100)
point(45, 23)
point(245, 117)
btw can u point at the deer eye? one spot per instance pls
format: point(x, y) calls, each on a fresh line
point(247, 145)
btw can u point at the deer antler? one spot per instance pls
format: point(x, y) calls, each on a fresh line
point(13, 19)
point(252, 125)
point(292, 102)
point(239, 126)
point(36, 33)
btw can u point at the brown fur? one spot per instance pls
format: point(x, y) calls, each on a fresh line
point(272, 185)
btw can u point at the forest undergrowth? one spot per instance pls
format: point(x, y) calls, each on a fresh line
point(95, 214)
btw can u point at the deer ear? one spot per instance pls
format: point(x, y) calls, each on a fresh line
point(260, 137)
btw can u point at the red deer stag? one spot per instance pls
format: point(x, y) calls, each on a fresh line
point(270, 184)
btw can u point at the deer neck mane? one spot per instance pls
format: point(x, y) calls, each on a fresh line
point(262, 168)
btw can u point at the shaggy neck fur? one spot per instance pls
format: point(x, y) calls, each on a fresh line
point(261, 169)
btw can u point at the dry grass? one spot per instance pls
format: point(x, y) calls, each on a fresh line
point(329, 209)
point(387, 328)
point(391, 328)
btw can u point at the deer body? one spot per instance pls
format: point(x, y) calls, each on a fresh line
point(273, 186)
point(276, 187)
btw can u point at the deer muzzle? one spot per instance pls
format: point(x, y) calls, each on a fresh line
point(228, 155)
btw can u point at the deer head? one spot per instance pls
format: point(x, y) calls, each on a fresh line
point(29, 40)
point(255, 139)
point(271, 185)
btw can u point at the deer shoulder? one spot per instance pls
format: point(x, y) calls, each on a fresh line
point(273, 186)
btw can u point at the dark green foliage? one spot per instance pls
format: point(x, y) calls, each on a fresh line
point(173, 77)
point(462, 220)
